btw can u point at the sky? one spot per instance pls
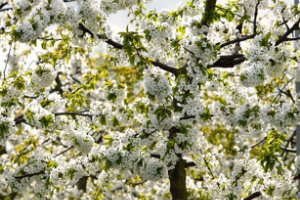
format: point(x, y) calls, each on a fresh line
point(120, 20)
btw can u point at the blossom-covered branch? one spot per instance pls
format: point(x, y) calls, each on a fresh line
point(120, 46)
point(247, 37)
point(284, 37)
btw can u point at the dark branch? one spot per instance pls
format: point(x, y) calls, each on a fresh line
point(285, 23)
point(228, 61)
point(117, 45)
point(74, 114)
point(297, 177)
point(29, 175)
point(288, 94)
point(247, 37)
point(3, 4)
point(289, 140)
point(260, 142)
point(64, 151)
point(284, 37)
point(19, 119)
point(292, 39)
point(155, 155)
point(288, 150)
point(76, 80)
point(255, 18)
point(190, 164)
point(208, 167)
point(49, 39)
point(58, 86)
point(252, 196)
point(165, 67)
point(114, 44)
point(187, 117)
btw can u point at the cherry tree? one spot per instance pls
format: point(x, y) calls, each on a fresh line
point(197, 102)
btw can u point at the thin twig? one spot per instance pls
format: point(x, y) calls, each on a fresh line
point(64, 151)
point(29, 175)
point(247, 37)
point(7, 60)
point(74, 114)
point(285, 85)
point(79, 88)
point(288, 150)
point(209, 169)
point(289, 140)
point(284, 37)
point(260, 142)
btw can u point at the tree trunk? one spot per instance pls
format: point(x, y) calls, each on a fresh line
point(177, 177)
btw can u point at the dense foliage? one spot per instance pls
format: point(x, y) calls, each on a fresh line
point(192, 103)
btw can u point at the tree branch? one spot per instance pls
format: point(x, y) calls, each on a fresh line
point(7, 60)
point(292, 39)
point(228, 61)
point(64, 151)
point(58, 86)
point(252, 196)
point(288, 150)
point(29, 175)
point(247, 37)
point(260, 142)
point(284, 37)
point(74, 114)
point(117, 45)
point(19, 119)
point(3, 4)
point(289, 140)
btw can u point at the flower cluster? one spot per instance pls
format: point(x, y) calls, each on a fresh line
point(38, 19)
point(157, 86)
point(193, 107)
point(6, 129)
point(69, 173)
point(82, 141)
point(42, 77)
point(252, 74)
point(112, 6)
point(37, 116)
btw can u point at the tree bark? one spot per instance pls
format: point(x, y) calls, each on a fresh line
point(177, 177)
point(82, 183)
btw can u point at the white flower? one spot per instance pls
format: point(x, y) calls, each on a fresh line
point(157, 85)
point(3, 185)
point(43, 77)
point(6, 129)
point(83, 143)
point(25, 32)
point(253, 74)
point(155, 169)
